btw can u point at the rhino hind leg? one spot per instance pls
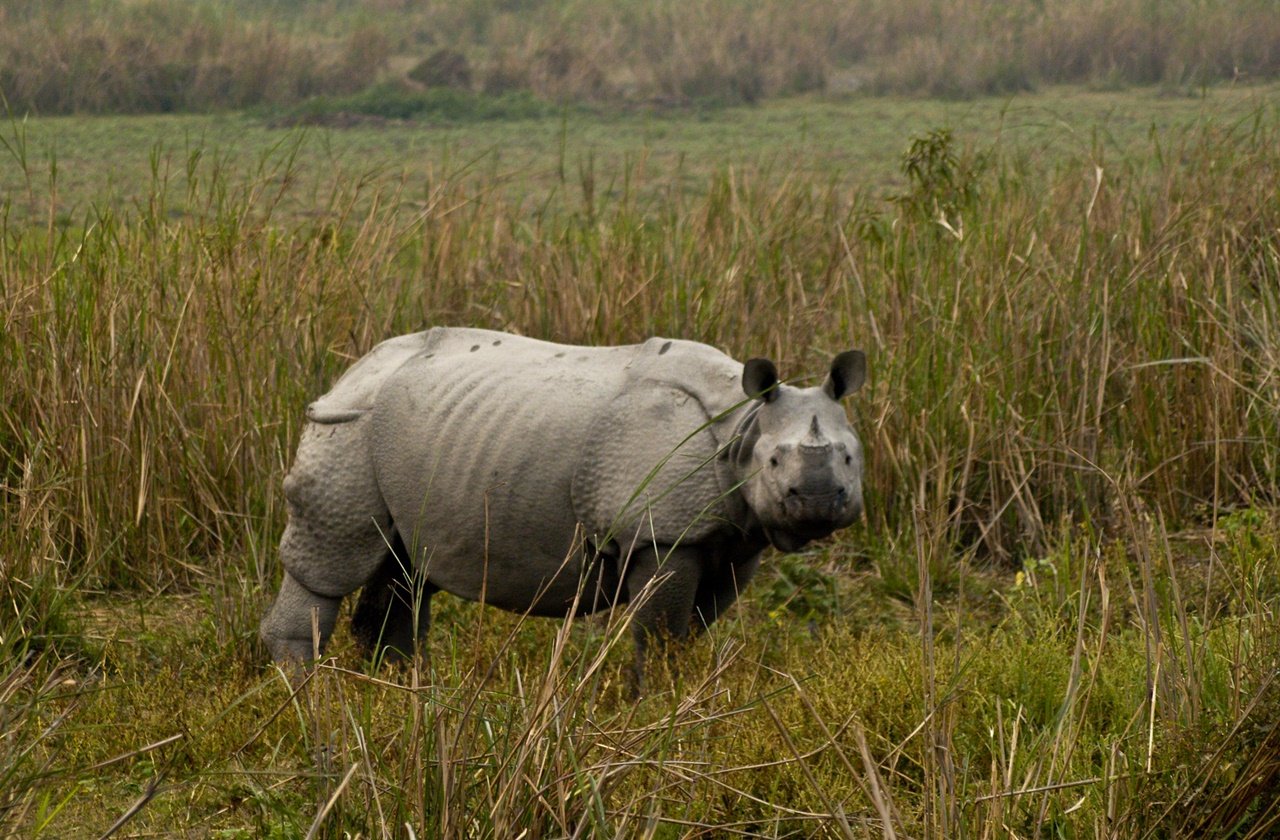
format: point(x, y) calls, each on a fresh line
point(394, 609)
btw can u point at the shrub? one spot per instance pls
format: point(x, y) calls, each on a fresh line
point(443, 68)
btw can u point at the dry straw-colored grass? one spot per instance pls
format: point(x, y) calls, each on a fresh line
point(1067, 368)
point(160, 55)
point(1041, 346)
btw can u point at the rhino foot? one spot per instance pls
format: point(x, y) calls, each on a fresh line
point(394, 609)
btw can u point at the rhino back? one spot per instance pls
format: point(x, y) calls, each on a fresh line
point(477, 439)
point(474, 446)
point(353, 394)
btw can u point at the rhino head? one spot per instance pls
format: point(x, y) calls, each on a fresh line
point(797, 458)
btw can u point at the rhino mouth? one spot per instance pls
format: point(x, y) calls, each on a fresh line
point(803, 518)
point(786, 540)
point(814, 510)
point(797, 536)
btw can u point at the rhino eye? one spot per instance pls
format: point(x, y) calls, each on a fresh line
point(773, 461)
point(848, 459)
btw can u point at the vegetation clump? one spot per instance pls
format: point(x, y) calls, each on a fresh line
point(443, 68)
point(396, 102)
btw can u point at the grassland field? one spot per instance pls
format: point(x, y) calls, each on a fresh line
point(1058, 620)
point(856, 143)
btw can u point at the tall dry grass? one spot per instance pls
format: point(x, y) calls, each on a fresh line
point(1069, 367)
point(111, 55)
point(92, 57)
point(1042, 346)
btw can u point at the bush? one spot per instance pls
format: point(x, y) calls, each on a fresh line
point(443, 68)
point(395, 102)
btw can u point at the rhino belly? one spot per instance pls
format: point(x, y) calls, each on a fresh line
point(475, 459)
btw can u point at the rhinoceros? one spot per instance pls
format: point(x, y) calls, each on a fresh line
point(554, 480)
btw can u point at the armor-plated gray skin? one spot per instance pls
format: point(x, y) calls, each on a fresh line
point(535, 477)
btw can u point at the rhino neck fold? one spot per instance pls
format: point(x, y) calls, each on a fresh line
point(733, 461)
point(746, 431)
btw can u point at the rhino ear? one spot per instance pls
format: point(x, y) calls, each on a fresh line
point(848, 372)
point(760, 379)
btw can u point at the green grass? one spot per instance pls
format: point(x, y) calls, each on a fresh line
point(1030, 694)
point(1059, 618)
point(856, 144)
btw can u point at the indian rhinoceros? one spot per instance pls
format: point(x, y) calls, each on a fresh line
point(552, 479)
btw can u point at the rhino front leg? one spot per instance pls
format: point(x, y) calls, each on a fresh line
point(288, 629)
point(662, 584)
point(394, 610)
point(718, 590)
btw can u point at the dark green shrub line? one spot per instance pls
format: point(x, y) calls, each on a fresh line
point(395, 102)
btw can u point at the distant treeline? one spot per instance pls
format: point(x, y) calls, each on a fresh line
point(61, 56)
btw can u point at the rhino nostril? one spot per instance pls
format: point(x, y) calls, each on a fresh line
point(773, 462)
point(793, 491)
point(848, 459)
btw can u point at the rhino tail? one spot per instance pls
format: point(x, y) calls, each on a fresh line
point(319, 412)
point(353, 395)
